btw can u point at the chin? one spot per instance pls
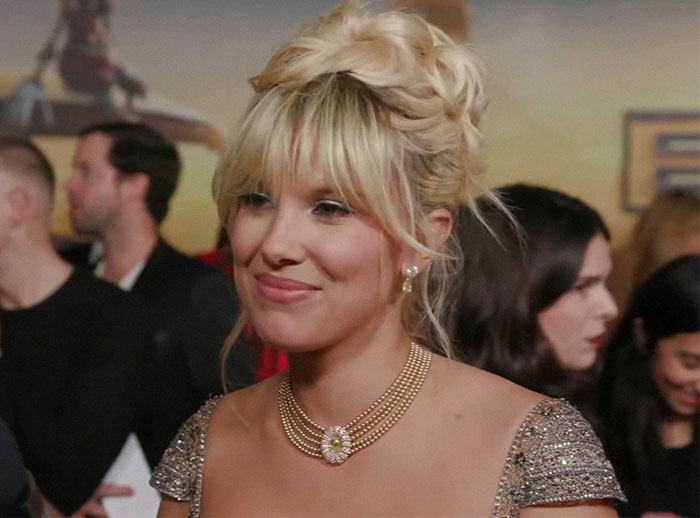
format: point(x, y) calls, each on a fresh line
point(580, 364)
point(284, 337)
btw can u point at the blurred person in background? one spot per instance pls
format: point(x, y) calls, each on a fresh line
point(77, 369)
point(534, 305)
point(14, 484)
point(667, 229)
point(124, 176)
point(649, 394)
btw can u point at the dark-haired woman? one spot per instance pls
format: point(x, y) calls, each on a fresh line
point(650, 394)
point(535, 305)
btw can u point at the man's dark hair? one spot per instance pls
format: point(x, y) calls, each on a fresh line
point(138, 148)
point(22, 154)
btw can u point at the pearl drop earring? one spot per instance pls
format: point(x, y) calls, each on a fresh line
point(410, 273)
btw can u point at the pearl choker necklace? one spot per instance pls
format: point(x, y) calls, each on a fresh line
point(337, 443)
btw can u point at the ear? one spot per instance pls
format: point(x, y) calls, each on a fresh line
point(20, 202)
point(438, 228)
point(136, 185)
point(434, 233)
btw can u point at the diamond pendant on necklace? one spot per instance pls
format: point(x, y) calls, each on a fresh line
point(336, 444)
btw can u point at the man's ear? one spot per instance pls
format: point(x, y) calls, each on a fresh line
point(136, 185)
point(20, 201)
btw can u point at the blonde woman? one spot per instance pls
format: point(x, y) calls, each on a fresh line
point(669, 228)
point(339, 193)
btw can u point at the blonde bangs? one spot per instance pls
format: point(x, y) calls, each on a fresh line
point(287, 133)
point(255, 158)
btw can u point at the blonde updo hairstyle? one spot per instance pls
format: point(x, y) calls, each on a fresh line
point(387, 105)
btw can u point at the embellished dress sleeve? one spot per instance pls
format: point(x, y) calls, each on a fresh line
point(179, 473)
point(555, 457)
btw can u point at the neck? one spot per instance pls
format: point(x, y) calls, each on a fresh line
point(30, 273)
point(676, 432)
point(335, 383)
point(126, 245)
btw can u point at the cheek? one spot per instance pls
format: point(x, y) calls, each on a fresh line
point(244, 239)
point(562, 320)
point(359, 259)
point(668, 376)
point(672, 372)
point(364, 267)
point(343, 256)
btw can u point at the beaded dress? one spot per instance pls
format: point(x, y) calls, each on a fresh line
point(555, 457)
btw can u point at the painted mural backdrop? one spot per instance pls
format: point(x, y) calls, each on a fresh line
point(598, 98)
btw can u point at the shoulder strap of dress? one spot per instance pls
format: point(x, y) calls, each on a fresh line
point(180, 471)
point(555, 457)
point(199, 452)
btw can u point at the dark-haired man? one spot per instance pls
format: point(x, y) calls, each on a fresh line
point(124, 175)
point(75, 353)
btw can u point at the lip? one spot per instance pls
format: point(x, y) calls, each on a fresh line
point(689, 400)
point(598, 341)
point(283, 289)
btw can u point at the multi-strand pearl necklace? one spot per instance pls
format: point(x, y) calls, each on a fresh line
point(337, 443)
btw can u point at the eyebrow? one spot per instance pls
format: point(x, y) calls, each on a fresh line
point(589, 278)
point(593, 278)
point(321, 191)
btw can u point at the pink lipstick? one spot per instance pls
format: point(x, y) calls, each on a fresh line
point(282, 289)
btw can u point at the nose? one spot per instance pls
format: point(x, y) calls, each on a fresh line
point(69, 184)
point(608, 306)
point(283, 241)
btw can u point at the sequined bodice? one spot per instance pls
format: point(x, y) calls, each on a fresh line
point(555, 457)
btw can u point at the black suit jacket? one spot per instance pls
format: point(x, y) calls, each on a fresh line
point(190, 309)
point(76, 253)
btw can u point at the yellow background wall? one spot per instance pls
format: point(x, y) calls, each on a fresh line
point(562, 74)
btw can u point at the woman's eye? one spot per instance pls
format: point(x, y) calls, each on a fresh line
point(690, 361)
point(255, 199)
point(331, 209)
point(584, 285)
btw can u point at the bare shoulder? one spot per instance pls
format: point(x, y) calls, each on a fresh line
point(171, 508)
point(497, 403)
point(246, 408)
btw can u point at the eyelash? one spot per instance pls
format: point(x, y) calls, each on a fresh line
point(690, 362)
point(583, 287)
point(324, 208)
point(331, 209)
point(255, 199)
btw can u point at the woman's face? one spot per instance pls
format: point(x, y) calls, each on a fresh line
point(675, 369)
point(309, 270)
point(575, 324)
